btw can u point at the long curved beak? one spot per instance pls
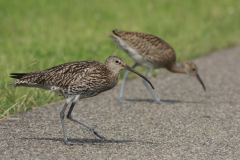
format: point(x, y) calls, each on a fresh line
point(131, 70)
point(199, 79)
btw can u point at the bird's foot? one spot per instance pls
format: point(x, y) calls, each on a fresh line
point(68, 143)
point(96, 133)
point(123, 101)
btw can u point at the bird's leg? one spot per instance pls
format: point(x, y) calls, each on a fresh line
point(62, 115)
point(92, 130)
point(123, 85)
point(150, 89)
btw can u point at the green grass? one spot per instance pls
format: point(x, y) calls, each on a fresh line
point(36, 35)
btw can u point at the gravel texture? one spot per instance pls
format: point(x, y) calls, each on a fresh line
point(198, 125)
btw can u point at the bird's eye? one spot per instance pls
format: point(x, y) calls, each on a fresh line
point(193, 69)
point(117, 61)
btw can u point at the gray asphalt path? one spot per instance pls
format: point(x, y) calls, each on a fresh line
point(198, 125)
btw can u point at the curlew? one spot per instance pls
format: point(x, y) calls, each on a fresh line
point(151, 52)
point(75, 81)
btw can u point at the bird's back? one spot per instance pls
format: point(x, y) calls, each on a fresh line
point(87, 78)
point(145, 48)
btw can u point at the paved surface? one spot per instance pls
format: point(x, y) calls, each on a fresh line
point(198, 125)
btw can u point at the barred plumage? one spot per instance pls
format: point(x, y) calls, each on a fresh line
point(75, 81)
point(151, 52)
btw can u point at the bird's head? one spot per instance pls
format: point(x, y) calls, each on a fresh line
point(116, 64)
point(191, 69)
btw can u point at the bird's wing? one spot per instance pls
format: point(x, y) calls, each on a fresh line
point(64, 75)
point(74, 73)
point(144, 43)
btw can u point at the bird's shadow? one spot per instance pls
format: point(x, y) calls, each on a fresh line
point(164, 101)
point(86, 141)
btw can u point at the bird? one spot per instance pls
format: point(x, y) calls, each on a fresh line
point(75, 81)
point(151, 52)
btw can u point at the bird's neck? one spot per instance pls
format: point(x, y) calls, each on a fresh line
point(176, 68)
point(114, 74)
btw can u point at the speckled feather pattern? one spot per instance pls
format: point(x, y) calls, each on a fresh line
point(84, 78)
point(153, 51)
point(75, 81)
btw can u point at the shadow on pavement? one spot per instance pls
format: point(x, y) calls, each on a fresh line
point(165, 101)
point(93, 141)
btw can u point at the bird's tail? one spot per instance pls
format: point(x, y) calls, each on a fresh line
point(24, 79)
point(115, 32)
point(32, 79)
point(115, 35)
point(17, 75)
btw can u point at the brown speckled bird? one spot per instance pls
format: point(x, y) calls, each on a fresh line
point(151, 52)
point(75, 81)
